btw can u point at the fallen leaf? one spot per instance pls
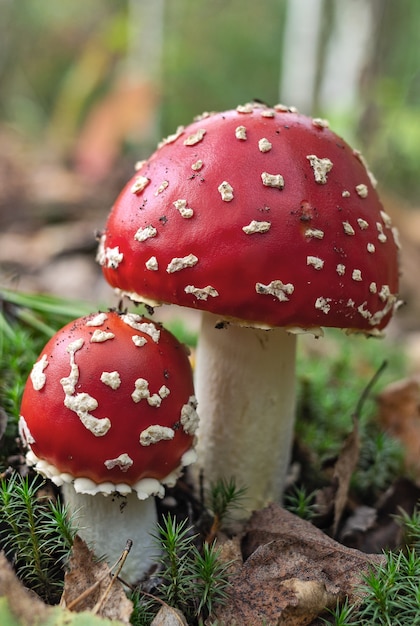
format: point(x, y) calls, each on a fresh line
point(20, 607)
point(168, 616)
point(399, 415)
point(292, 571)
point(86, 573)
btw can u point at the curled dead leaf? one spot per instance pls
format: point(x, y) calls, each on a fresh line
point(168, 616)
point(307, 598)
point(292, 571)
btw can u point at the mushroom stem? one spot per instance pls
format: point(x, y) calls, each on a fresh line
point(245, 386)
point(107, 522)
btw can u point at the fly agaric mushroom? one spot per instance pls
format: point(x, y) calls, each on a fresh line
point(108, 410)
point(269, 223)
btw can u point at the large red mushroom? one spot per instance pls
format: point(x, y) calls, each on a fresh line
point(109, 410)
point(270, 224)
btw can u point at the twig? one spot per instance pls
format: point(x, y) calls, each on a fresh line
point(365, 394)
point(119, 564)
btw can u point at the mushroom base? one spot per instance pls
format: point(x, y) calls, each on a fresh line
point(246, 391)
point(107, 522)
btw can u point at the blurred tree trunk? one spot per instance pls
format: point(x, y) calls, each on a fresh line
point(299, 61)
point(326, 47)
point(146, 23)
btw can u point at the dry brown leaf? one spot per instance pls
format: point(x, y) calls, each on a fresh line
point(292, 571)
point(343, 470)
point(399, 415)
point(84, 572)
point(168, 616)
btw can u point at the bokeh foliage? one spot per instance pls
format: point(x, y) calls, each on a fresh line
point(57, 59)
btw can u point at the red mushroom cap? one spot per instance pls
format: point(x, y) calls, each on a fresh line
point(110, 399)
point(258, 214)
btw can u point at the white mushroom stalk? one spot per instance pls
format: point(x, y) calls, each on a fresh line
point(245, 382)
point(131, 518)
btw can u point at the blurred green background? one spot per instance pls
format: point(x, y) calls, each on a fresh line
point(87, 83)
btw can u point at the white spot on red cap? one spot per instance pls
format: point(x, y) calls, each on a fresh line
point(387, 219)
point(245, 108)
point(195, 138)
point(164, 184)
point(37, 375)
point(363, 224)
point(348, 228)
point(82, 404)
point(384, 293)
point(356, 275)
point(189, 418)
point(99, 336)
point(69, 382)
point(202, 293)
point(139, 184)
point(314, 233)
point(396, 237)
point(240, 133)
point(272, 180)
point(321, 167)
point(277, 289)
point(147, 232)
point(135, 321)
point(155, 433)
point(164, 392)
point(173, 137)
point(111, 379)
point(319, 122)
point(181, 206)
point(256, 227)
point(315, 261)
point(371, 247)
point(226, 191)
point(264, 145)
point(362, 190)
point(98, 320)
point(139, 341)
point(24, 432)
point(323, 304)
point(180, 263)
point(381, 236)
point(152, 264)
point(123, 461)
point(141, 390)
point(110, 257)
point(341, 269)
point(197, 165)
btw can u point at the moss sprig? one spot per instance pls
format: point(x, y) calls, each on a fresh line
point(36, 534)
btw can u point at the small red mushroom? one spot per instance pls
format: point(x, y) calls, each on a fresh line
point(264, 218)
point(109, 410)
